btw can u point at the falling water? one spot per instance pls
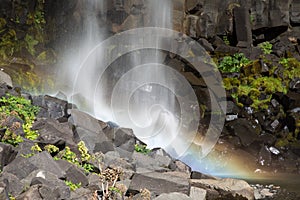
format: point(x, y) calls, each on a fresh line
point(137, 90)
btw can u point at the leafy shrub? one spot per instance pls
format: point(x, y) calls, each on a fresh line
point(266, 47)
point(233, 63)
point(73, 186)
point(141, 149)
point(23, 109)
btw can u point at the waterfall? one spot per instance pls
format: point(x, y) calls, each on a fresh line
point(124, 78)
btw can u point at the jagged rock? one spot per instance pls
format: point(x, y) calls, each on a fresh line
point(112, 160)
point(52, 132)
point(82, 194)
point(191, 26)
point(3, 193)
point(51, 188)
point(12, 183)
point(84, 120)
point(174, 196)
point(20, 167)
point(290, 100)
point(198, 193)
point(51, 107)
point(264, 156)
point(159, 183)
point(234, 187)
point(7, 154)
point(238, 127)
point(5, 79)
point(76, 176)
point(162, 157)
point(295, 85)
point(88, 129)
point(295, 12)
point(206, 45)
point(145, 163)
point(32, 193)
point(124, 139)
point(242, 27)
point(199, 175)
point(182, 167)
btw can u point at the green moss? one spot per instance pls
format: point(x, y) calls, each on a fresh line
point(2, 24)
point(255, 87)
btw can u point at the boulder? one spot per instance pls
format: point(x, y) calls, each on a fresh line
point(12, 183)
point(52, 132)
point(51, 107)
point(32, 193)
point(145, 163)
point(3, 193)
point(159, 183)
point(51, 187)
point(89, 130)
point(238, 127)
point(242, 27)
point(295, 12)
point(224, 186)
point(174, 196)
point(7, 154)
point(44, 161)
point(20, 167)
point(124, 139)
point(5, 79)
point(197, 193)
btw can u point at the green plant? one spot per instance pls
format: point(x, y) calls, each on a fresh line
point(51, 148)
point(35, 149)
point(68, 155)
point(141, 149)
point(31, 42)
point(233, 63)
point(19, 105)
point(11, 197)
point(21, 108)
point(10, 137)
point(72, 186)
point(266, 47)
point(226, 40)
point(29, 133)
point(71, 156)
point(85, 156)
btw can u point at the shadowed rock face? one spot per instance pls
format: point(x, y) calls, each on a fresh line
point(197, 18)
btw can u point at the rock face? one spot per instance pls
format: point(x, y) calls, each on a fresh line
point(238, 19)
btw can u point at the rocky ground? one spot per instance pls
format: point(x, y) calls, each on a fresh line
point(76, 156)
point(110, 163)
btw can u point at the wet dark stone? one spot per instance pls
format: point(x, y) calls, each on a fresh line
point(238, 127)
point(264, 156)
point(199, 175)
point(242, 27)
point(206, 45)
point(245, 100)
point(51, 107)
point(295, 85)
point(291, 100)
point(7, 154)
